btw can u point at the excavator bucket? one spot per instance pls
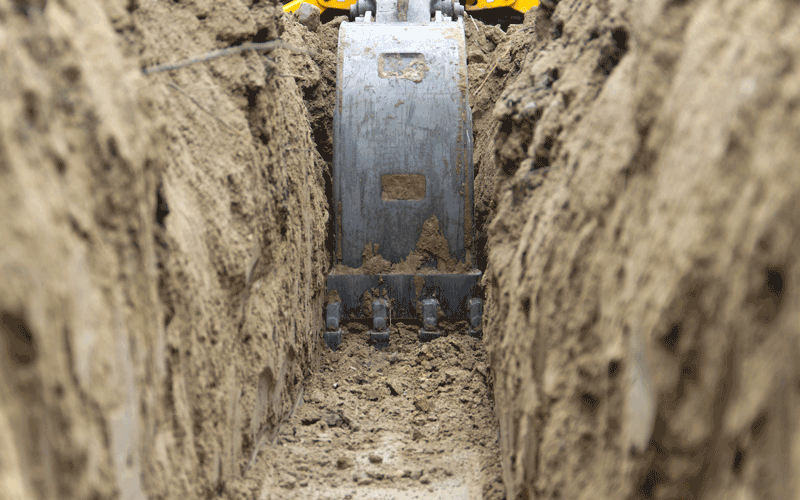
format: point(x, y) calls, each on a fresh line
point(402, 163)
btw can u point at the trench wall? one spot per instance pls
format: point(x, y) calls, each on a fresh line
point(163, 247)
point(643, 288)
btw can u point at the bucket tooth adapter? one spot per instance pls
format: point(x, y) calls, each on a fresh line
point(402, 163)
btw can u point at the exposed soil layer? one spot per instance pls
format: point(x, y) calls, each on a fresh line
point(81, 337)
point(643, 302)
point(163, 250)
point(409, 421)
point(494, 59)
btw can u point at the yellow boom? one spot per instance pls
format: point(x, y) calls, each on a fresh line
point(518, 5)
point(322, 4)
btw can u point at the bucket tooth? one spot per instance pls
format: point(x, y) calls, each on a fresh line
point(475, 312)
point(430, 320)
point(333, 332)
point(379, 334)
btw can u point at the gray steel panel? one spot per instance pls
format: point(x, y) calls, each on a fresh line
point(416, 121)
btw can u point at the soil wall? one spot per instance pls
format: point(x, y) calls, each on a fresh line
point(643, 282)
point(163, 247)
point(81, 339)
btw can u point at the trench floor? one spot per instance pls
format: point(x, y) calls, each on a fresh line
point(412, 421)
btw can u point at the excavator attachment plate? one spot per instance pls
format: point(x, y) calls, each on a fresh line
point(402, 137)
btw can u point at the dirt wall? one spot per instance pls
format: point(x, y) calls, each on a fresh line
point(243, 242)
point(81, 336)
point(643, 298)
point(163, 247)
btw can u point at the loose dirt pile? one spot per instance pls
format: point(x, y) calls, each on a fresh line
point(411, 421)
point(430, 255)
point(642, 313)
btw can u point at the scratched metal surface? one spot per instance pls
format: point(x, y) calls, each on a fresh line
point(388, 120)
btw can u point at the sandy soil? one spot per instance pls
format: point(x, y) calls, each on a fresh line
point(166, 238)
point(410, 421)
point(642, 264)
point(163, 245)
point(81, 335)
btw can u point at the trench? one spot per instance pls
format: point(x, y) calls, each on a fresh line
point(409, 420)
point(166, 238)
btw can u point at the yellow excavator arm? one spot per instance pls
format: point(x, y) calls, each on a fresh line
point(322, 4)
point(518, 5)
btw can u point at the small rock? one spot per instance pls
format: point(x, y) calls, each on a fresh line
point(373, 394)
point(344, 463)
point(316, 396)
point(332, 419)
point(308, 16)
point(417, 435)
point(423, 405)
point(425, 480)
point(394, 388)
point(415, 475)
point(375, 458)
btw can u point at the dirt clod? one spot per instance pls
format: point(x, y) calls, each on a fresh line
point(423, 405)
point(343, 463)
